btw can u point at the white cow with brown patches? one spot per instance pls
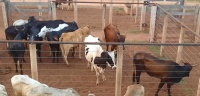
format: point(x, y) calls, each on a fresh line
point(76, 36)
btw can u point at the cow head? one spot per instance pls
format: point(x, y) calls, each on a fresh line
point(188, 67)
point(43, 31)
point(31, 19)
point(121, 38)
point(86, 31)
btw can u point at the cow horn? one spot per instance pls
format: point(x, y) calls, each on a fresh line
point(194, 65)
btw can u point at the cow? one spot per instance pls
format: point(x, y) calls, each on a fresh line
point(89, 55)
point(168, 71)
point(100, 63)
point(55, 35)
point(112, 34)
point(23, 85)
point(61, 4)
point(55, 48)
point(17, 50)
point(76, 36)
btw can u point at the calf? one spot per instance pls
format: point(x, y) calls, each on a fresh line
point(168, 71)
point(100, 64)
point(76, 36)
point(17, 50)
point(112, 34)
point(91, 39)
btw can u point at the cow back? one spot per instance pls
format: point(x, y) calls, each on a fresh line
point(110, 32)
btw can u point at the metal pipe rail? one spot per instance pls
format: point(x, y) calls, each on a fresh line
point(103, 43)
point(98, 2)
point(183, 25)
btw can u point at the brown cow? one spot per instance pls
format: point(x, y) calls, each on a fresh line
point(76, 36)
point(112, 34)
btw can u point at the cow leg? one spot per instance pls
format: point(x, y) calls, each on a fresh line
point(38, 47)
point(103, 75)
point(54, 55)
point(57, 55)
point(80, 46)
point(16, 64)
point(138, 73)
point(92, 69)
point(168, 88)
point(65, 52)
point(113, 47)
point(65, 56)
point(20, 64)
point(107, 47)
point(97, 74)
point(159, 87)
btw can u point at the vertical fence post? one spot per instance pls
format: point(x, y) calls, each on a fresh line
point(198, 90)
point(165, 25)
point(196, 16)
point(33, 57)
point(104, 16)
point(111, 12)
point(152, 23)
point(180, 48)
point(40, 13)
point(4, 12)
point(54, 11)
point(49, 10)
point(9, 12)
point(143, 15)
point(197, 27)
point(118, 82)
point(131, 13)
point(136, 11)
point(75, 12)
point(101, 3)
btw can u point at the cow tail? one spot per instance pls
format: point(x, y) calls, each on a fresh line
point(61, 45)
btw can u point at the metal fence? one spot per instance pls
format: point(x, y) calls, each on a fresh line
point(83, 80)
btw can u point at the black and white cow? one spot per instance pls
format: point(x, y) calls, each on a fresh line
point(98, 58)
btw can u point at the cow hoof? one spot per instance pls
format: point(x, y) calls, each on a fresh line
point(97, 84)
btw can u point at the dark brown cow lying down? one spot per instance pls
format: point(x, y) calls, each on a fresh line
point(112, 34)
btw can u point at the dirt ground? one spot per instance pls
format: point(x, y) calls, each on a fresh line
point(77, 75)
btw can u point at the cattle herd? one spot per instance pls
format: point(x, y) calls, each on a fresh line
point(58, 30)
